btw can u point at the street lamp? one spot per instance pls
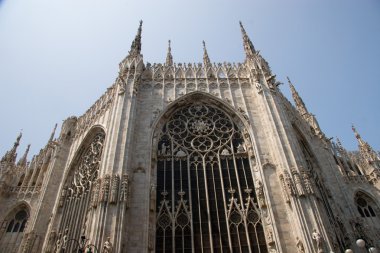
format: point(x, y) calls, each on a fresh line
point(361, 244)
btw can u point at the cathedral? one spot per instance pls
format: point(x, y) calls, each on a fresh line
point(207, 157)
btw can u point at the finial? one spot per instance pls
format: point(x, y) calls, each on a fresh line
point(53, 133)
point(23, 160)
point(247, 43)
point(136, 44)
point(169, 57)
point(206, 59)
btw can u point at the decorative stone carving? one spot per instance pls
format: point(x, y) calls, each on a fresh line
point(225, 152)
point(104, 192)
point(51, 240)
point(284, 189)
point(318, 241)
point(65, 240)
point(96, 110)
point(95, 193)
point(308, 184)
point(124, 189)
point(115, 188)
point(260, 193)
point(269, 236)
point(241, 148)
point(298, 182)
point(58, 244)
point(244, 113)
point(258, 86)
point(300, 247)
point(289, 187)
point(62, 198)
point(29, 237)
point(107, 247)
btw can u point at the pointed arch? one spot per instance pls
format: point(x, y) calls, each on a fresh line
point(14, 226)
point(366, 205)
point(204, 178)
point(81, 186)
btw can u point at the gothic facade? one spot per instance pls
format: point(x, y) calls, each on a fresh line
point(191, 158)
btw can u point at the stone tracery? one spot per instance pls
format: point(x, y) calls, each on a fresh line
point(205, 188)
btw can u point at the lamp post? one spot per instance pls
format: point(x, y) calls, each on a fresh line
point(361, 245)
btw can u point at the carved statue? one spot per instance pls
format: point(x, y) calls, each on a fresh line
point(298, 183)
point(95, 193)
point(225, 152)
point(269, 236)
point(107, 247)
point(104, 193)
point(308, 185)
point(288, 183)
point(241, 148)
point(260, 193)
point(319, 240)
point(300, 247)
point(115, 188)
point(152, 196)
point(180, 153)
point(124, 189)
point(284, 191)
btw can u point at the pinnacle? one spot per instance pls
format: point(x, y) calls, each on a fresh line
point(136, 44)
point(247, 43)
point(169, 57)
point(206, 58)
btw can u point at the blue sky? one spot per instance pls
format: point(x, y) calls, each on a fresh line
point(58, 57)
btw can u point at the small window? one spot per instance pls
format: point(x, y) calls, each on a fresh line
point(18, 222)
point(365, 205)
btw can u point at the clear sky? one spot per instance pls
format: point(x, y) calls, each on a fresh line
point(58, 57)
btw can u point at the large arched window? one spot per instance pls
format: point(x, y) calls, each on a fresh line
point(205, 189)
point(14, 227)
point(75, 207)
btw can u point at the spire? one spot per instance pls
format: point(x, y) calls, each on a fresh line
point(206, 59)
point(247, 43)
point(340, 147)
point(23, 159)
point(136, 44)
point(169, 57)
point(301, 108)
point(53, 133)
point(357, 135)
point(365, 149)
point(10, 156)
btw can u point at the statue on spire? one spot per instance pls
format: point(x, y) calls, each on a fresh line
point(247, 43)
point(169, 57)
point(206, 59)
